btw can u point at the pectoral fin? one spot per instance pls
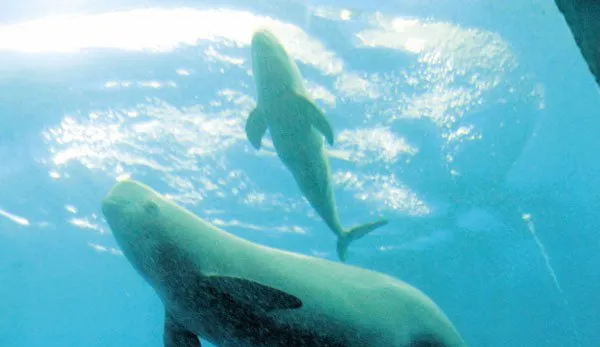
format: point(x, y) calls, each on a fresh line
point(177, 336)
point(315, 116)
point(255, 128)
point(250, 293)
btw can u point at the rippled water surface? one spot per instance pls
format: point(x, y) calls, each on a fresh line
point(470, 125)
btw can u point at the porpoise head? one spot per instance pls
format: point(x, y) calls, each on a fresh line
point(271, 65)
point(134, 213)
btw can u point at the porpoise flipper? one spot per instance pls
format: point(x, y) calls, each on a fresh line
point(246, 292)
point(255, 128)
point(177, 336)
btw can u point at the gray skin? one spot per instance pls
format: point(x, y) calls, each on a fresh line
point(583, 18)
point(297, 127)
point(232, 292)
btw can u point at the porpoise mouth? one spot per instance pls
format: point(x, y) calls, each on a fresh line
point(112, 206)
point(123, 195)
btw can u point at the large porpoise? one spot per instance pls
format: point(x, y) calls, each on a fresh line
point(583, 18)
point(297, 127)
point(235, 293)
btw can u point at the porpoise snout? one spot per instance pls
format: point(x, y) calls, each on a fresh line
point(265, 44)
point(123, 194)
point(262, 36)
point(129, 192)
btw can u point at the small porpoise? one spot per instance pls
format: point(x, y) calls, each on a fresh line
point(297, 127)
point(232, 292)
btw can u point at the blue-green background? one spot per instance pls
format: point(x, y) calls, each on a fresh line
point(471, 125)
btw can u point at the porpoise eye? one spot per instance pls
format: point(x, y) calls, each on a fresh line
point(150, 207)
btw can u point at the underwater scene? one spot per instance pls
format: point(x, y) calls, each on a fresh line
point(410, 173)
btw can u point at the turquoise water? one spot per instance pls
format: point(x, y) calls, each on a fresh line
point(472, 126)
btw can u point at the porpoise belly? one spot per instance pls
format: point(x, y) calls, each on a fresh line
point(305, 157)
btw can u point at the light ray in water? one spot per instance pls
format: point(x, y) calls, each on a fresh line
point(531, 227)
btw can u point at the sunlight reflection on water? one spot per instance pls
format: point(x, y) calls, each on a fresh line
point(452, 70)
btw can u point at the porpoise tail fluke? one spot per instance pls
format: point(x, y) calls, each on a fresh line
point(353, 234)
